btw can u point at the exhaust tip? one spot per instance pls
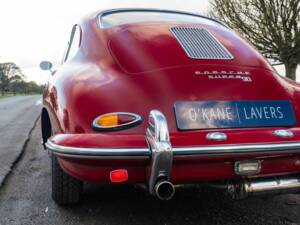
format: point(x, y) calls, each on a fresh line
point(164, 190)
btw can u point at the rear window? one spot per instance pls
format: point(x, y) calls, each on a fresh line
point(117, 18)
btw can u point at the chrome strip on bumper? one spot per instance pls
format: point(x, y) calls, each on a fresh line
point(246, 149)
point(76, 152)
point(203, 151)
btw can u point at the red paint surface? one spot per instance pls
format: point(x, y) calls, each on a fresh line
point(184, 170)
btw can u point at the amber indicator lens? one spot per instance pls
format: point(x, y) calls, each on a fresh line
point(116, 121)
point(108, 120)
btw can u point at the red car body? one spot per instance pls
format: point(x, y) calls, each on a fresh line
point(140, 67)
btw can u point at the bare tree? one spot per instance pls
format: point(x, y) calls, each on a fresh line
point(9, 74)
point(272, 26)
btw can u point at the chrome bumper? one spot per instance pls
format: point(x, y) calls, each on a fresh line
point(201, 151)
point(229, 150)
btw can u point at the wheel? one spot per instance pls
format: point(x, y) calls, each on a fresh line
point(66, 190)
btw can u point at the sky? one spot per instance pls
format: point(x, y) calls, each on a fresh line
point(36, 30)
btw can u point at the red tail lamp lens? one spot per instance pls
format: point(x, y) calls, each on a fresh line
point(116, 121)
point(123, 119)
point(118, 176)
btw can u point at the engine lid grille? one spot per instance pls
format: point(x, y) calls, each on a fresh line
point(199, 43)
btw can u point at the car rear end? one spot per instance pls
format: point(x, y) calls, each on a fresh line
point(213, 111)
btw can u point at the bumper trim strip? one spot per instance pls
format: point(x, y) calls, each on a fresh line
point(80, 152)
point(201, 151)
point(246, 149)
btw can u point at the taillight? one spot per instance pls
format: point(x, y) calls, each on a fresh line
point(116, 121)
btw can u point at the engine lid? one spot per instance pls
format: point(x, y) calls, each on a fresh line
point(147, 47)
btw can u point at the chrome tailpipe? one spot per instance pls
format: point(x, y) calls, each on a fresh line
point(260, 186)
point(164, 190)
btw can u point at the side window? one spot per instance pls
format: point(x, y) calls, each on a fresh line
point(73, 44)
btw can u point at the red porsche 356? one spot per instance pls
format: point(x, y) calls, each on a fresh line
point(161, 98)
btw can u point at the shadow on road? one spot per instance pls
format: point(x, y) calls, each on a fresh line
point(131, 205)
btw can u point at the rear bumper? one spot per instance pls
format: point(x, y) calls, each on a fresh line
point(91, 157)
point(186, 152)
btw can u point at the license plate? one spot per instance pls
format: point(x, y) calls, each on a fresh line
point(233, 114)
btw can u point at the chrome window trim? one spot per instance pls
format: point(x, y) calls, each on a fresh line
point(70, 42)
point(111, 11)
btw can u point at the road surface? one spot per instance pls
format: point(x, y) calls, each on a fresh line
point(17, 117)
point(25, 199)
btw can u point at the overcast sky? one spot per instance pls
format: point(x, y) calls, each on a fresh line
point(34, 30)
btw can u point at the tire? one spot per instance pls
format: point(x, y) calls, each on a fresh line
point(66, 190)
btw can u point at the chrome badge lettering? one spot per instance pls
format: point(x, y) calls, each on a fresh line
point(215, 74)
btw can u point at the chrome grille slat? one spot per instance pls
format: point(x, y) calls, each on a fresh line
point(199, 43)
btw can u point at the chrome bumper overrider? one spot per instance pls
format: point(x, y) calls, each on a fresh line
point(161, 149)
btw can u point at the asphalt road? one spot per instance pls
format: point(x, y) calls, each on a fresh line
point(25, 199)
point(17, 117)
